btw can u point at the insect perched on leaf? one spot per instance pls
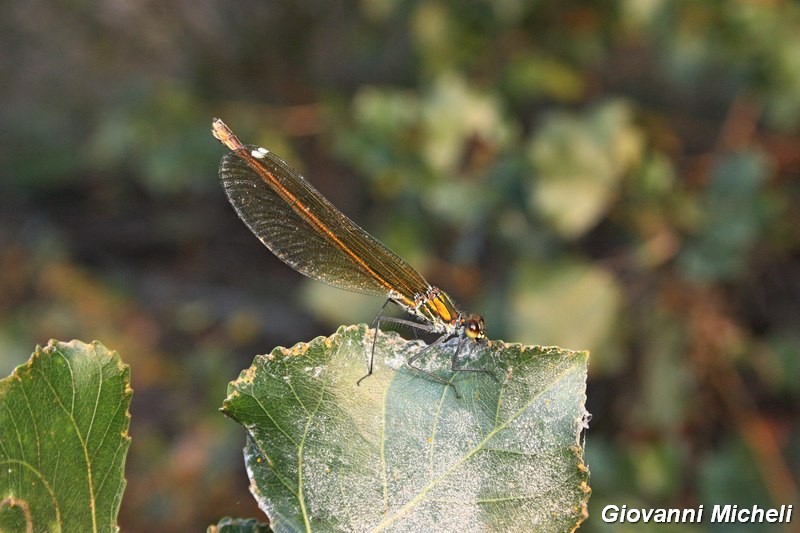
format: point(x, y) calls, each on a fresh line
point(309, 234)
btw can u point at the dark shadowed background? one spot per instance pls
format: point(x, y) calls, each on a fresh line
point(618, 176)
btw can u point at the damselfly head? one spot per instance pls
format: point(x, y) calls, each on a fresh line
point(474, 327)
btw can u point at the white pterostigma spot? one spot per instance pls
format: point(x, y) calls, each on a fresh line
point(259, 152)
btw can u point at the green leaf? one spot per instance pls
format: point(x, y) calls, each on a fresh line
point(401, 452)
point(63, 439)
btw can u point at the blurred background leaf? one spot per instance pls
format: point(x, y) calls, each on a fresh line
point(632, 166)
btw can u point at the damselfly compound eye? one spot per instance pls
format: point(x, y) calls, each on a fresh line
point(474, 327)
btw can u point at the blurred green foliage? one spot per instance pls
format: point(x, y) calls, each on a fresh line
point(734, 211)
point(619, 176)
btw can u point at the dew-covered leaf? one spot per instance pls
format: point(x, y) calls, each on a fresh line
point(402, 452)
point(63, 439)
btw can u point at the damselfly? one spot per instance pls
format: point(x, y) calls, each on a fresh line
point(309, 234)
